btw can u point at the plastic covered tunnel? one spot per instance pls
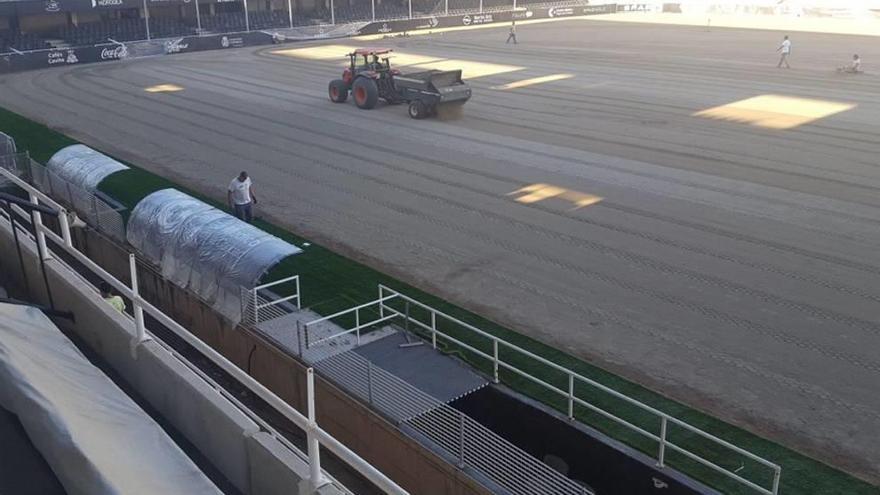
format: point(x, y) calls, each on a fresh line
point(203, 249)
point(83, 166)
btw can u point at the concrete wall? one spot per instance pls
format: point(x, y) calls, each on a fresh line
point(407, 462)
point(253, 461)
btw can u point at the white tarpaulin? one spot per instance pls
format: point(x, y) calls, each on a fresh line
point(203, 249)
point(94, 437)
point(82, 166)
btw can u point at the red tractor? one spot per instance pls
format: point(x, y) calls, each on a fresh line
point(369, 77)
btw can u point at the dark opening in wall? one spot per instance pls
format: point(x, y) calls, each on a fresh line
point(606, 466)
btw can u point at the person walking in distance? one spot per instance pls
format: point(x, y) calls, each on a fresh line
point(785, 49)
point(241, 197)
point(512, 35)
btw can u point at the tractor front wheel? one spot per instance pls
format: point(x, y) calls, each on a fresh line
point(365, 93)
point(418, 110)
point(338, 91)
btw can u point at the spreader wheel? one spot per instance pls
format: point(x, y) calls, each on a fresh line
point(418, 110)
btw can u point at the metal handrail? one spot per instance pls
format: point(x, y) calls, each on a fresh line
point(258, 306)
point(357, 326)
point(574, 377)
point(278, 282)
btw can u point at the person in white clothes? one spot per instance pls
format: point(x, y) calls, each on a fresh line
point(241, 197)
point(785, 49)
point(854, 67)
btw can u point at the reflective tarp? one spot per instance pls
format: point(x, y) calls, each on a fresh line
point(203, 249)
point(83, 166)
point(95, 438)
point(7, 145)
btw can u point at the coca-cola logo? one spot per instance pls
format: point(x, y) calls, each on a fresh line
point(117, 53)
point(52, 6)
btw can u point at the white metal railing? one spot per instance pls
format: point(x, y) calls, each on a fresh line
point(570, 394)
point(262, 303)
point(358, 324)
point(315, 435)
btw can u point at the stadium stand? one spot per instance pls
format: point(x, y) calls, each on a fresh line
point(269, 19)
point(362, 10)
point(234, 21)
point(22, 42)
point(164, 27)
point(122, 30)
point(225, 22)
point(359, 12)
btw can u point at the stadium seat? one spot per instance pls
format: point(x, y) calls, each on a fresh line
point(21, 41)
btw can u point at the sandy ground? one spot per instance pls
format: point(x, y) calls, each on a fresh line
point(730, 265)
point(867, 26)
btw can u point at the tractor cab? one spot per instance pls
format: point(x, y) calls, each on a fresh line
point(368, 62)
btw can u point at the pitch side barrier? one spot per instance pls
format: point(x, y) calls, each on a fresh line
point(107, 52)
point(463, 20)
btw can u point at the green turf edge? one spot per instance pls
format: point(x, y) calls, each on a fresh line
point(331, 282)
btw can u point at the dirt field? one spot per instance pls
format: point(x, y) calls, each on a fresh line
point(732, 261)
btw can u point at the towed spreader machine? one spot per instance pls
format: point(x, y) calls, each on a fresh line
point(369, 77)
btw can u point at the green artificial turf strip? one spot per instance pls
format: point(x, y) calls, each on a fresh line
point(331, 283)
point(38, 140)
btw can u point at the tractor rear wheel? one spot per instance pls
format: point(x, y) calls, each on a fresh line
point(365, 93)
point(418, 110)
point(338, 91)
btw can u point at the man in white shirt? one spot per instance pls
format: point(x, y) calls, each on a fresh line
point(855, 67)
point(241, 197)
point(785, 48)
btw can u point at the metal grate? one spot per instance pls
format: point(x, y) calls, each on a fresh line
point(466, 442)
